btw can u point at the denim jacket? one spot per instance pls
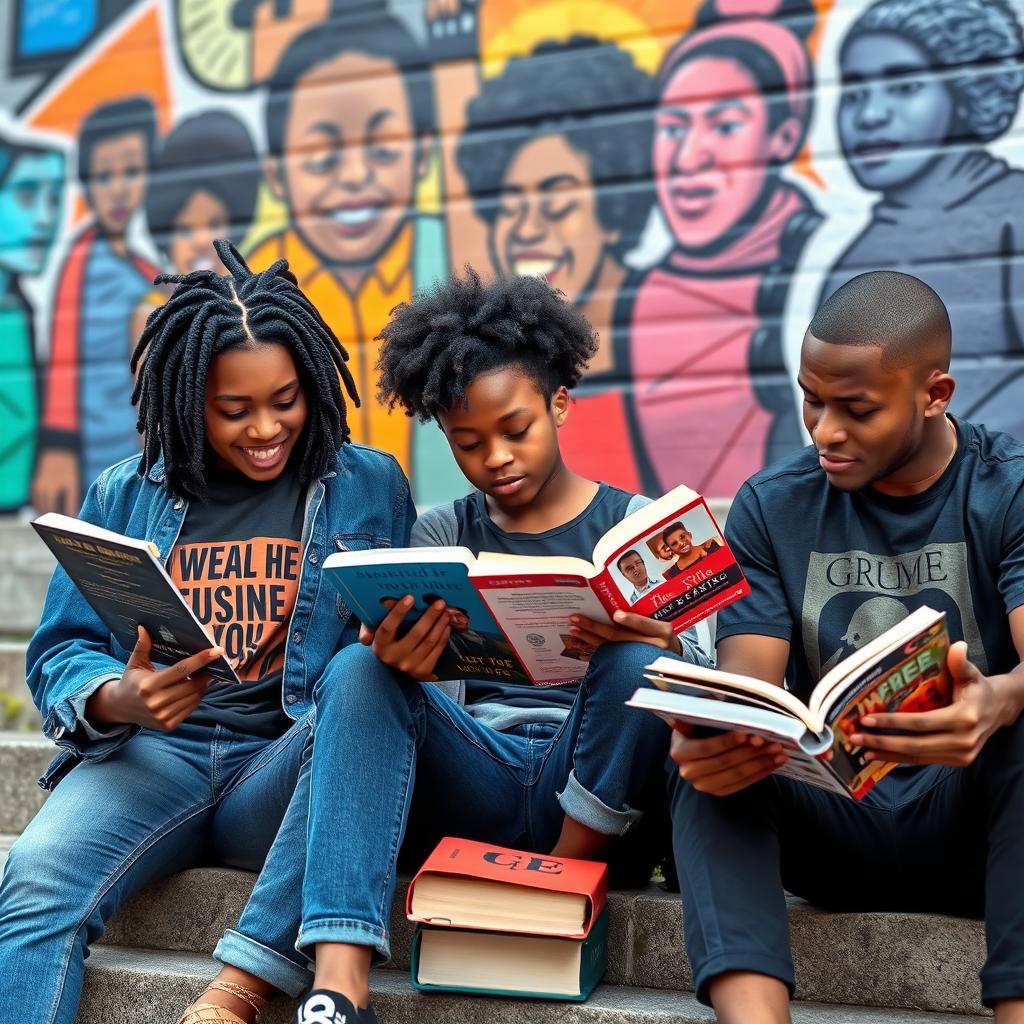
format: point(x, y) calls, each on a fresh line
point(363, 503)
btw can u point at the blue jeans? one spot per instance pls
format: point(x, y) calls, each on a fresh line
point(160, 803)
point(932, 839)
point(410, 764)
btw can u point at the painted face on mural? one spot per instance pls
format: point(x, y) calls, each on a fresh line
point(350, 160)
point(712, 149)
point(865, 419)
point(894, 114)
point(255, 410)
point(200, 221)
point(117, 180)
point(547, 221)
point(30, 202)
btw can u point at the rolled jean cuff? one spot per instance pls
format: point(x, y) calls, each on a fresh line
point(997, 986)
point(757, 963)
point(238, 950)
point(355, 933)
point(581, 805)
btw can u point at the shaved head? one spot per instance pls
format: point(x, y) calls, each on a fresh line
point(895, 312)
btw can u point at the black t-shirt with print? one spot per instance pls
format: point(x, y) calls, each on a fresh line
point(237, 563)
point(860, 562)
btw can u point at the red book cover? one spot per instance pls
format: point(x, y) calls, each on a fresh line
point(469, 859)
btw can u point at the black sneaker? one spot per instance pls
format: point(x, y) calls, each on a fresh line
point(322, 1006)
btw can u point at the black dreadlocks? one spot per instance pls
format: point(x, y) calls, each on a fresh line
point(436, 346)
point(208, 314)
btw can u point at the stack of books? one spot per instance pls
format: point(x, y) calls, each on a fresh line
point(505, 922)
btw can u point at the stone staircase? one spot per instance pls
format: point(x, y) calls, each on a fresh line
point(859, 968)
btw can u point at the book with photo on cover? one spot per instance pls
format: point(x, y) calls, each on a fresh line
point(127, 586)
point(509, 614)
point(904, 670)
point(507, 922)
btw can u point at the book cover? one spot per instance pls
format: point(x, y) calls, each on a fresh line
point(127, 587)
point(477, 648)
point(470, 859)
point(914, 677)
point(593, 962)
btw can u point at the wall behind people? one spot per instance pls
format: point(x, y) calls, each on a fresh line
point(696, 175)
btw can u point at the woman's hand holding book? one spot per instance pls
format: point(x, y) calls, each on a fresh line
point(153, 698)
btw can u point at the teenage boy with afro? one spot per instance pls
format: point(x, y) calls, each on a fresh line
point(562, 770)
point(900, 505)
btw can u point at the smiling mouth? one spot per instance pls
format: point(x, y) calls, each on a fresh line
point(537, 265)
point(264, 457)
point(355, 220)
point(694, 200)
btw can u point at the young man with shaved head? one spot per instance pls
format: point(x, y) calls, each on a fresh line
point(898, 505)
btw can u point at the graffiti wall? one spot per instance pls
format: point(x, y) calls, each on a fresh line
point(694, 174)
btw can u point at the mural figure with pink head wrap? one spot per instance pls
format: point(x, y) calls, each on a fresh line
point(927, 84)
point(711, 398)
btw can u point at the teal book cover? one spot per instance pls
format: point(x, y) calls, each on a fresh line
point(477, 648)
point(592, 963)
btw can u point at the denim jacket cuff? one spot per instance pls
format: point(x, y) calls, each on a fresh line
point(68, 726)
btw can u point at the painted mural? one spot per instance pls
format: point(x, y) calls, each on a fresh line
point(696, 175)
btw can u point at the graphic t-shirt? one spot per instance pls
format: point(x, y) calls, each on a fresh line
point(237, 564)
point(861, 562)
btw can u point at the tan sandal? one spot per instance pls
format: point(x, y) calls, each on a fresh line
point(210, 1013)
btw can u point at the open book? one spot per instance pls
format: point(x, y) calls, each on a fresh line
point(904, 669)
point(509, 614)
point(127, 586)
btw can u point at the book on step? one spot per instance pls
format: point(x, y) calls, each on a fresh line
point(509, 614)
point(904, 669)
point(127, 586)
point(497, 920)
point(499, 963)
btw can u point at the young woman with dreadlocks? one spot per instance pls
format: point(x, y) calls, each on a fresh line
point(567, 771)
point(246, 482)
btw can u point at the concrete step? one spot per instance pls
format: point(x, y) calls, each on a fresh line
point(17, 712)
point(899, 960)
point(23, 758)
point(26, 566)
point(128, 985)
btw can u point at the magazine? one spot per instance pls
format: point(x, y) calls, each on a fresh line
point(509, 614)
point(904, 670)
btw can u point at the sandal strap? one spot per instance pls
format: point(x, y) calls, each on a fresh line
point(250, 998)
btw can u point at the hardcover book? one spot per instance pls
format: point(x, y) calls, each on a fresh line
point(471, 885)
point(509, 614)
point(498, 963)
point(904, 670)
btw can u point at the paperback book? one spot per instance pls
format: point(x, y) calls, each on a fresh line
point(127, 586)
point(509, 614)
point(903, 670)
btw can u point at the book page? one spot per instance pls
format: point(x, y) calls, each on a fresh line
point(533, 611)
